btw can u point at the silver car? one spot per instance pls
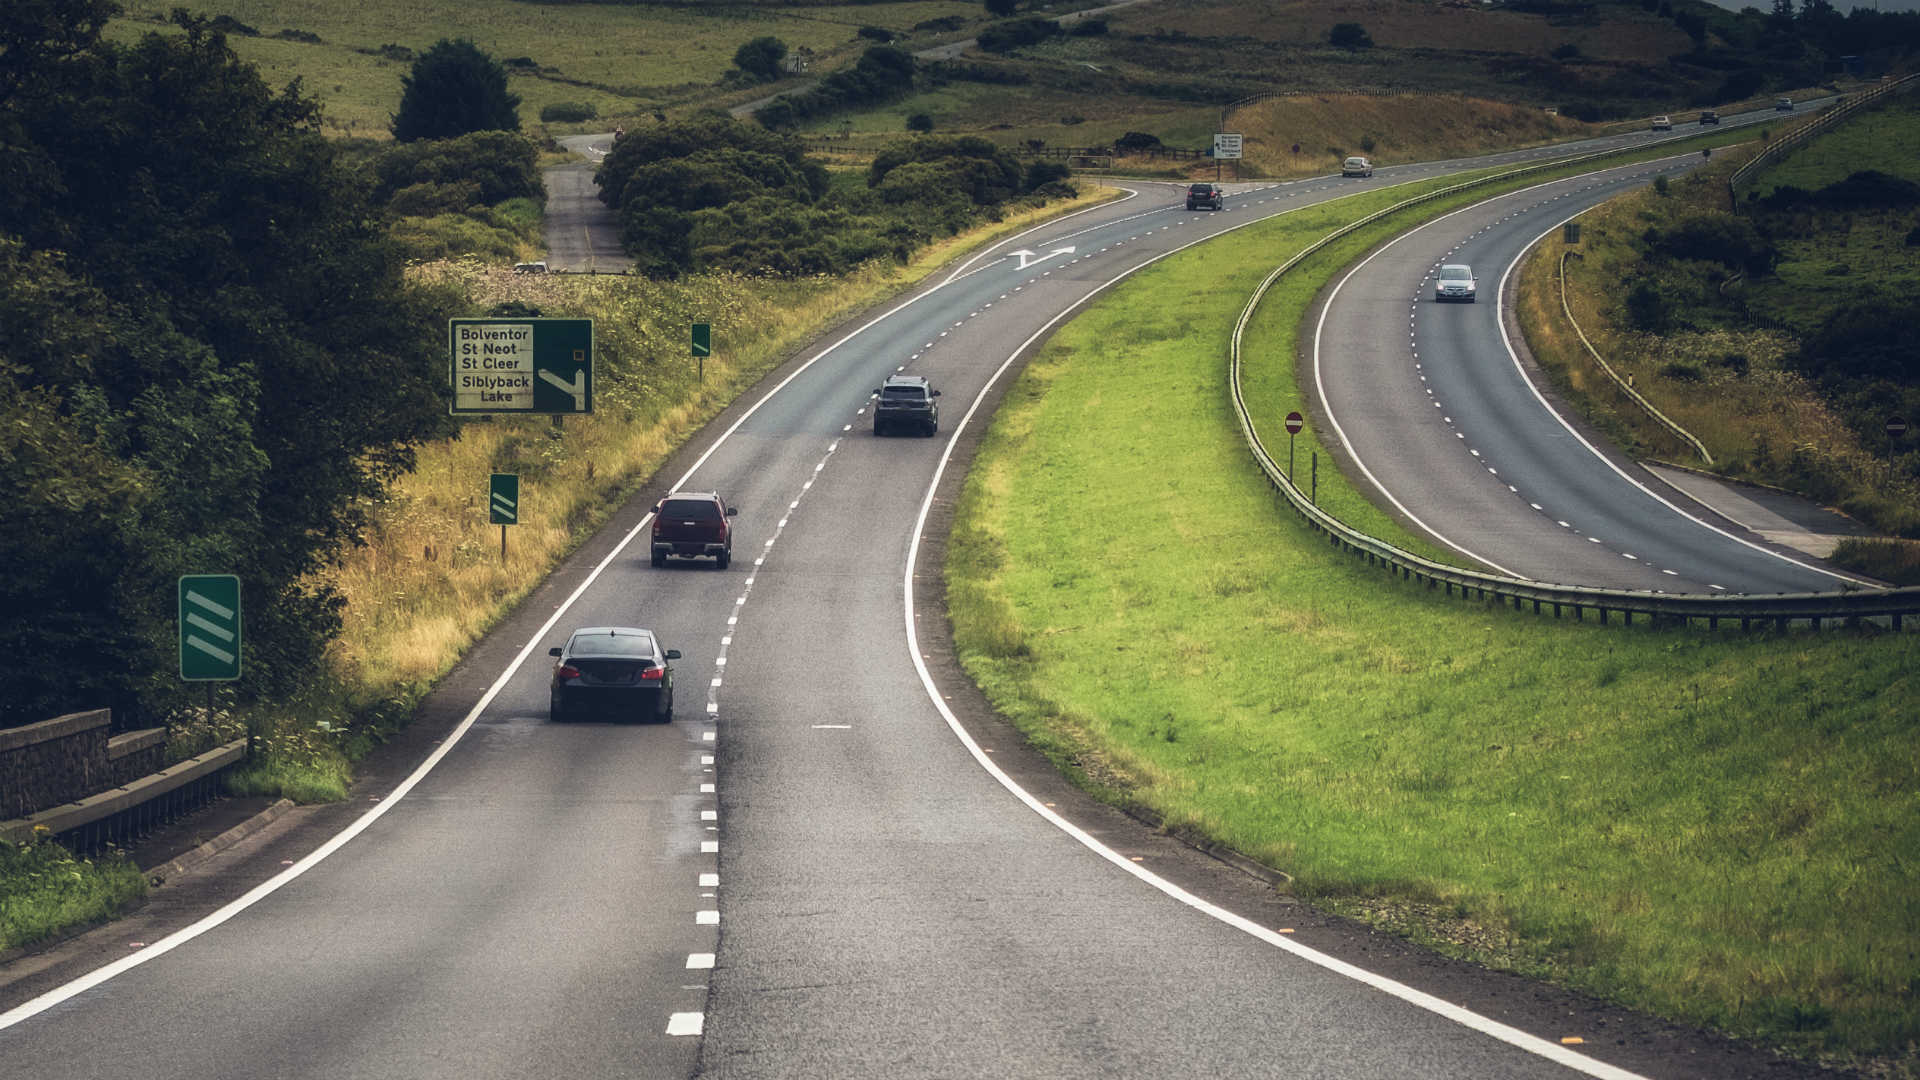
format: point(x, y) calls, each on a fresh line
point(1356, 166)
point(1454, 282)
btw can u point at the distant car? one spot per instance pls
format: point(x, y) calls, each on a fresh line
point(906, 401)
point(612, 670)
point(530, 268)
point(1356, 166)
point(1454, 282)
point(693, 524)
point(1784, 104)
point(1708, 116)
point(1207, 196)
point(1662, 123)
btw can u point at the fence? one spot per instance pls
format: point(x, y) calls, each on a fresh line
point(1778, 611)
point(1828, 119)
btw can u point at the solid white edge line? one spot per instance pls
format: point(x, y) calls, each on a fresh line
point(35, 1006)
point(1532, 1044)
point(1506, 341)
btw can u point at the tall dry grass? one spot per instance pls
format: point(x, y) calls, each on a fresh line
point(430, 577)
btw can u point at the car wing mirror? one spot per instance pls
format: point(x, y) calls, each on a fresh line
point(555, 651)
point(936, 393)
point(732, 510)
point(673, 654)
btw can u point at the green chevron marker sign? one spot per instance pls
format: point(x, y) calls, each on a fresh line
point(209, 627)
point(702, 339)
point(503, 499)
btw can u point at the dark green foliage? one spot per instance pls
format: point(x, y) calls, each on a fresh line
point(966, 164)
point(1009, 36)
point(1648, 308)
point(881, 74)
point(494, 165)
point(1722, 238)
point(1134, 141)
point(1864, 342)
point(1569, 51)
point(877, 33)
point(1000, 9)
point(761, 57)
point(568, 112)
point(1089, 28)
point(944, 71)
point(455, 88)
point(211, 362)
point(1349, 35)
point(1868, 189)
point(715, 193)
point(1739, 86)
point(919, 122)
point(1042, 173)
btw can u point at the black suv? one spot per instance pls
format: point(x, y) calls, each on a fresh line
point(906, 400)
point(1207, 195)
point(693, 524)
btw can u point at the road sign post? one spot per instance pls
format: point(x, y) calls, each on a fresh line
point(503, 505)
point(521, 366)
point(1896, 430)
point(1314, 493)
point(1294, 423)
point(703, 345)
point(1226, 147)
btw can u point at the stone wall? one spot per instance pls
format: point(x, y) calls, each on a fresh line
point(60, 760)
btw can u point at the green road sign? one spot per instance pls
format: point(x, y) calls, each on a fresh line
point(542, 366)
point(209, 627)
point(702, 339)
point(503, 499)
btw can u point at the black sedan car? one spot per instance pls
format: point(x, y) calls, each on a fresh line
point(617, 671)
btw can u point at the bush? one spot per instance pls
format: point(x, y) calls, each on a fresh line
point(1042, 173)
point(568, 112)
point(1723, 238)
point(1349, 35)
point(1009, 36)
point(919, 122)
point(877, 33)
point(1089, 28)
point(500, 165)
point(1569, 51)
point(761, 57)
point(1135, 141)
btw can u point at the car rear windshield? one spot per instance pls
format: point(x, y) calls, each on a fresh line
point(691, 510)
point(1455, 273)
point(914, 392)
point(1201, 189)
point(612, 645)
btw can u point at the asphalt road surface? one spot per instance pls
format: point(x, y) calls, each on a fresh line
point(582, 235)
point(836, 863)
point(1437, 412)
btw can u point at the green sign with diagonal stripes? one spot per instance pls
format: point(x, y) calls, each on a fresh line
point(209, 627)
point(503, 499)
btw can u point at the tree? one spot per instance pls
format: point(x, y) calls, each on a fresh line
point(1348, 35)
point(455, 88)
point(761, 58)
point(1000, 9)
point(211, 362)
point(919, 122)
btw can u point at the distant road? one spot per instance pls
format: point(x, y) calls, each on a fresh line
point(582, 233)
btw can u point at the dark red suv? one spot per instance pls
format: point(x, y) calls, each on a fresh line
point(693, 524)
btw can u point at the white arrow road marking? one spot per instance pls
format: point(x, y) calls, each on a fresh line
point(578, 387)
point(1028, 257)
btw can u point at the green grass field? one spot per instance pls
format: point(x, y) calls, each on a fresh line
point(626, 60)
point(1714, 827)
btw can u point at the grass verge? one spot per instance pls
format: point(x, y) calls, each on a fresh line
point(1716, 828)
point(46, 890)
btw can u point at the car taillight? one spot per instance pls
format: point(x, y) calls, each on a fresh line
point(566, 671)
point(654, 674)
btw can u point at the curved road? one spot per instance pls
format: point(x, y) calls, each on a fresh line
point(833, 865)
point(1437, 412)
